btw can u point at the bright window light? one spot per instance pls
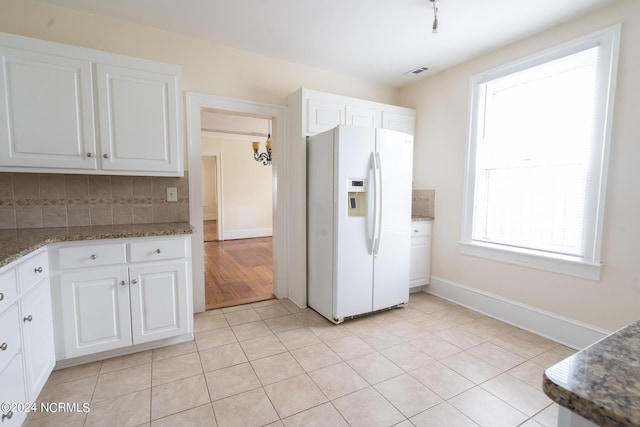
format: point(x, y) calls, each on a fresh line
point(538, 150)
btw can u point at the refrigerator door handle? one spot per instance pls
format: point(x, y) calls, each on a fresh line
point(378, 199)
point(371, 208)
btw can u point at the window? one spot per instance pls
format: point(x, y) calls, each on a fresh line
point(537, 159)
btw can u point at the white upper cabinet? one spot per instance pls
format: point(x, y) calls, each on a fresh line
point(138, 128)
point(323, 111)
point(46, 113)
point(65, 109)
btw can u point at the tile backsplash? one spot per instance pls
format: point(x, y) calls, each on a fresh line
point(53, 200)
point(423, 203)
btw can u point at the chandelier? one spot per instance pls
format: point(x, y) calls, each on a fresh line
point(265, 158)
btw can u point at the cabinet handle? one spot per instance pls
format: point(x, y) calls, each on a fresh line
point(89, 154)
point(3, 346)
point(29, 318)
point(93, 256)
point(37, 270)
point(158, 251)
point(106, 156)
point(134, 281)
point(415, 231)
point(8, 415)
point(123, 283)
point(1, 296)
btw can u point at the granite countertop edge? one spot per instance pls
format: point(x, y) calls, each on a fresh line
point(14, 244)
point(421, 218)
point(612, 361)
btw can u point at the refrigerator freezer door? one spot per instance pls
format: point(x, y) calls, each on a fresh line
point(353, 262)
point(391, 262)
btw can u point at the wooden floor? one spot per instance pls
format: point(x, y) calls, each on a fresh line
point(237, 271)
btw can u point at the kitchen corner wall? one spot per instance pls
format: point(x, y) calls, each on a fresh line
point(52, 200)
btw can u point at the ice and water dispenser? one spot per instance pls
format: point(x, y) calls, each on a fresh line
point(357, 197)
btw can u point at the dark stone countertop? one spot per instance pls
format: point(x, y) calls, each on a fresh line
point(14, 244)
point(602, 382)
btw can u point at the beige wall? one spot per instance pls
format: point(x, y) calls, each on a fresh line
point(206, 67)
point(442, 104)
point(246, 193)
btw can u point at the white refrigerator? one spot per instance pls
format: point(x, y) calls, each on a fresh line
point(358, 220)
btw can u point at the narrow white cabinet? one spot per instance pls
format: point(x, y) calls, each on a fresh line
point(112, 294)
point(37, 333)
point(95, 310)
point(420, 254)
point(158, 296)
point(138, 124)
point(46, 111)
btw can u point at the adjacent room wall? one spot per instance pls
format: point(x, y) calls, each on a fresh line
point(246, 193)
point(442, 104)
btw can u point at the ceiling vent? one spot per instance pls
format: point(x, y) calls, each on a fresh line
point(417, 71)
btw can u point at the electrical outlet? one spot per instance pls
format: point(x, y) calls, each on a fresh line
point(172, 194)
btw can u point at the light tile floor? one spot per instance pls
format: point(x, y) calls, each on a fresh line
point(432, 363)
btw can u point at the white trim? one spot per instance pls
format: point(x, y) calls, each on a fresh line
point(194, 103)
point(588, 267)
point(219, 194)
point(569, 332)
point(557, 264)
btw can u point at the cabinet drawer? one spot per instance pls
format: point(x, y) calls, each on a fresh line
point(32, 270)
point(91, 256)
point(420, 228)
point(8, 291)
point(157, 250)
point(9, 336)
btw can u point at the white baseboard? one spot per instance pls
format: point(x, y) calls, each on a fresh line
point(569, 332)
point(247, 234)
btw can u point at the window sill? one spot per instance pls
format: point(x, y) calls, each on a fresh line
point(571, 266)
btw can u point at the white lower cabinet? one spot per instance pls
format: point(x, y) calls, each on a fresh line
point(37, 334)
point(420, 263)
point(145, 298)
point(26, 335)
point(95, 310)
point(13, 391)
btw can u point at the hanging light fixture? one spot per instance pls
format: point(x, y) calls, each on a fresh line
point(434, 27)
point(265, 158)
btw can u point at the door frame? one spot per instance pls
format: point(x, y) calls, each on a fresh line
point(195, 102)
point(219, 219)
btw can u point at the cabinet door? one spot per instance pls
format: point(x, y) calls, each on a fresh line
point(398, 122)
point(46, 111)
point(37, 333)
point(366, 117)
point(418, 262)
point(95, 310)
point(158, 301)
point(324, 115)
point(12, 390)
point(138, 114)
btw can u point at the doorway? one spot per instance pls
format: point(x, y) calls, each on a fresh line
point(237, 198)
point(195, 103)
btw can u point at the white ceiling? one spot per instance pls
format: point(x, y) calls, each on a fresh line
point(377, 40)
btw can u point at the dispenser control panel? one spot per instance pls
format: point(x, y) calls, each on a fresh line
point(357, 185)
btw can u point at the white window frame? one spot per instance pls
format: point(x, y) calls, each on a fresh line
point(590, 265)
